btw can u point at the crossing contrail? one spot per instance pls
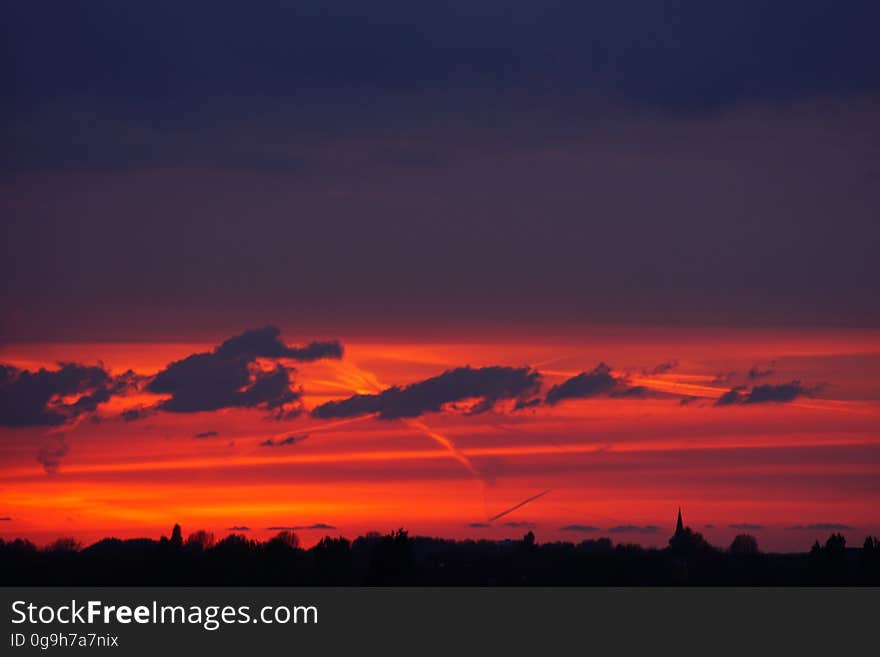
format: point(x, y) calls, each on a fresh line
point(516, 506)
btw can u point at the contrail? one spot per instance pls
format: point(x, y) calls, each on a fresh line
point(353, 372)
point(516, 506)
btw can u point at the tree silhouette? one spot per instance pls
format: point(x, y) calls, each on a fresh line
point(64, 545)
point(286, 538)
point(744, 545)
point(199, 540)
point(176, 537)
point(398, 559)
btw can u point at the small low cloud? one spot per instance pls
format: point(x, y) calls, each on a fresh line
point(284, 442)
point(723, 378)
point(709, 526)
point(745, 526)
point(282, 528)
point(579, 528)
point(822, 526)
point(663, 368)
point(520, 524)
point(757, 373)
point(135, 414)
point(206, 434)
point(634, 529)
point(238, 528)
point(479, 525)
point(5, 519)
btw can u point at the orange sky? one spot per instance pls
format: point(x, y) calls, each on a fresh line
point(607, 462)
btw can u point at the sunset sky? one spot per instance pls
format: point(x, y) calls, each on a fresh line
point(353, 266)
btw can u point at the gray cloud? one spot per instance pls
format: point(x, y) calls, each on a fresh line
point(206, 434)
point(238, 528)
point(745, 526)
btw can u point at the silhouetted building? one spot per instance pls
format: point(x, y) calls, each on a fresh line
point(685, 541)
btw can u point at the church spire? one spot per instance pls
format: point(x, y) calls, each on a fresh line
point(679, 526)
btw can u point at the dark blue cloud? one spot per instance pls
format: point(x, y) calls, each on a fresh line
point(35, 398)
point(488, 384)
point(768, 392)
point(599, 381)
point(227, 377)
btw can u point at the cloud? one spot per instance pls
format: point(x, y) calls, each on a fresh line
point(822, 526)
point(317, 525)
point(600, 381)
point(634, 529)
point(709, 526)
point(50, 454)
point(206, 434)
point(284, 442)
point(479, 525)
point(781, 393)
point(520, 524)
point(265, 343)
point(229, 377)
point(38, 398)
point(5, 519)
point(489, 385)
point(579, 528)
point(756, 373)
point(745, 526)
point(663, 368)
point(724, 377)
point(135, 414)
point(238, 528)
point(732, 396)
